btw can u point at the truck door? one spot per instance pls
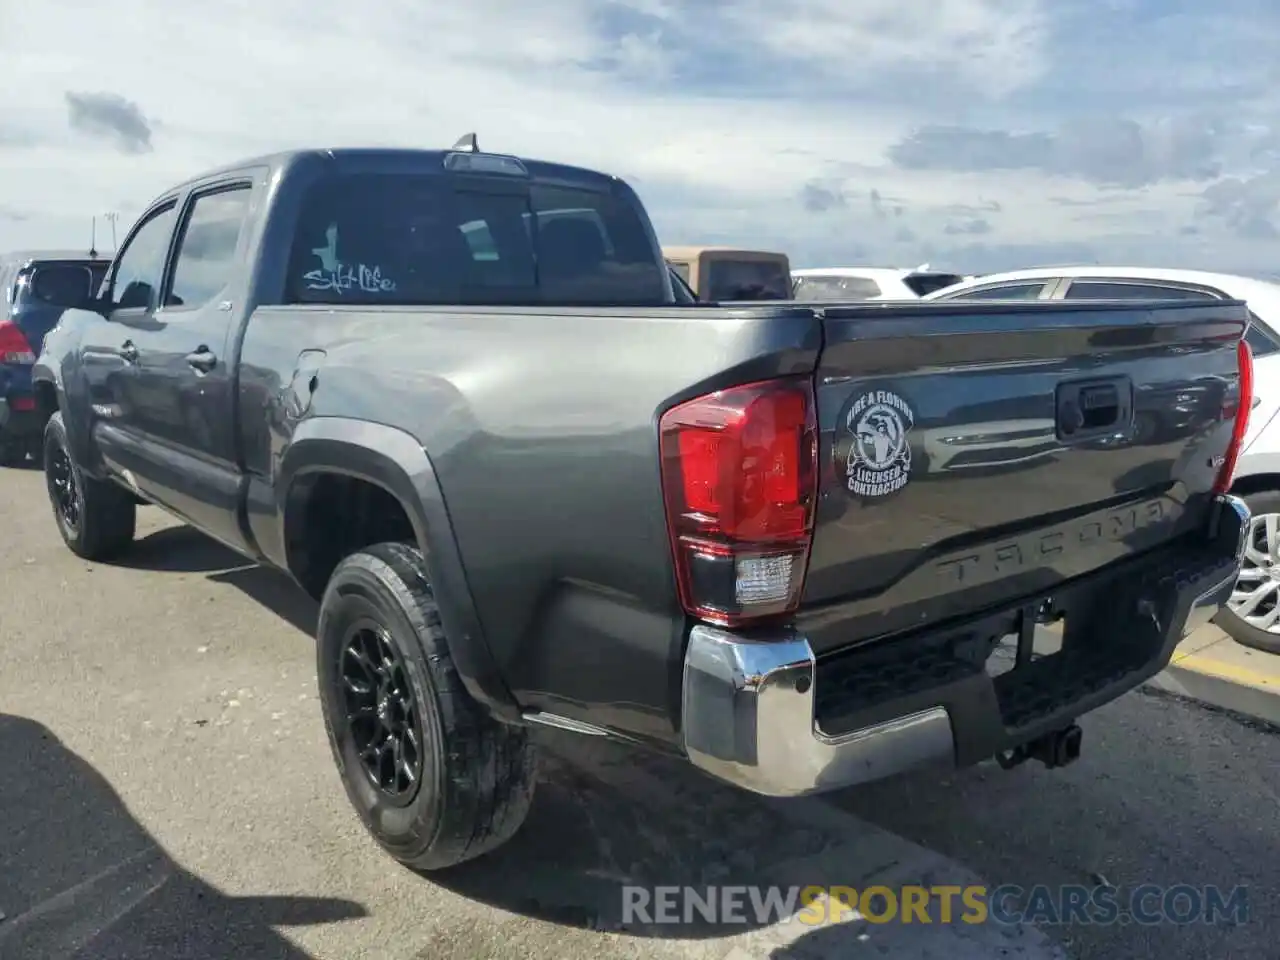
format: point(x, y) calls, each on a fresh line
point(184, 409)
point(108, 351)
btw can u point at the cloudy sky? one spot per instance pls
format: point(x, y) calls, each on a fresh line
point(972, 134)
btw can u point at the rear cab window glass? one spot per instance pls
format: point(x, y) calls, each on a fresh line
point(836, 288)
point(729, 279)
point(61, 281)
point(427, 239)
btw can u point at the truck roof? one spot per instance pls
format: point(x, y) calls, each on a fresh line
point(412, 159)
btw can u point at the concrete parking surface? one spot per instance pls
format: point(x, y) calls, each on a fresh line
point(167, 792)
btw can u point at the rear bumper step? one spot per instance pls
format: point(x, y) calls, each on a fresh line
point(763, 712)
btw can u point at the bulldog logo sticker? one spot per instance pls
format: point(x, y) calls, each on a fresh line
point(873, 448)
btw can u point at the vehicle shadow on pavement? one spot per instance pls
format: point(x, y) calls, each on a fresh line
point(183, 549)
point(607, 818)
point(80, 878)
point(1137, 809)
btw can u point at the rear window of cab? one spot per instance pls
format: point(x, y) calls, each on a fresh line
point(425, 239)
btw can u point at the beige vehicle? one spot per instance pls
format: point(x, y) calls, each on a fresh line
point(725, 273)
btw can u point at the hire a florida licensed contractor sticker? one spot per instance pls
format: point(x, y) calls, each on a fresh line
point(872, 449)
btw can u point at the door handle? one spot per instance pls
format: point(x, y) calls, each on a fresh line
point(129, 352)
point(202, 359)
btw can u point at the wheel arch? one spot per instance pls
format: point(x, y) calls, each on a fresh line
point(394, 462)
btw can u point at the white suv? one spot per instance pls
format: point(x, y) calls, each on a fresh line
point(1252, 615)
point(868, 283)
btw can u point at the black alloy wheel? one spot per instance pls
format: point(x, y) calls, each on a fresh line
point(64, 491)
point(381, 713)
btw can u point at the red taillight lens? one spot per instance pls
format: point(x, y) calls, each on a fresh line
point(13, 345)
point(1244, 403)
point(740, 476)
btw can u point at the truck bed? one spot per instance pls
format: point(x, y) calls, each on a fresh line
point(541, 426)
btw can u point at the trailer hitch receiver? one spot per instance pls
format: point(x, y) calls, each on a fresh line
point(1055, 749)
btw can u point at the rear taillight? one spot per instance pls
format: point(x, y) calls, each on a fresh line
point(1244, 403)
point(740, 483)
point(13, 345)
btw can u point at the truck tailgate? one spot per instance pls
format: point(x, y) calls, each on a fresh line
point(972, 454)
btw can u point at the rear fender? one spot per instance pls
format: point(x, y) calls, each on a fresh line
point(396, 461)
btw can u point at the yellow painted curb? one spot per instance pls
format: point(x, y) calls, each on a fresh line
point(1208, 666)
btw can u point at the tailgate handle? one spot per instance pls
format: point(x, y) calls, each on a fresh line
point(1091, 408)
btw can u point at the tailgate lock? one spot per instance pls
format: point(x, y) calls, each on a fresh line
point(1092, 408)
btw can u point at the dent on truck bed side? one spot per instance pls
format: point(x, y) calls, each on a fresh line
point(395, 461)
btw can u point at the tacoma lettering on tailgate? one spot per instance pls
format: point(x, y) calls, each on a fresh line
point(1040, 548)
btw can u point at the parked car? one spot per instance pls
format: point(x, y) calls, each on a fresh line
point(32, 283)
point(719, 274)
point(1252, 616)
point(536, 489)
point(868, 283)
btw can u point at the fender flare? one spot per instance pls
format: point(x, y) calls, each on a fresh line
point(42, 375)
point(394, 460)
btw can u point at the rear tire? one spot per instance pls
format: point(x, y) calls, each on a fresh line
point(475, 775)
point(96, 518)
point(1262, 504)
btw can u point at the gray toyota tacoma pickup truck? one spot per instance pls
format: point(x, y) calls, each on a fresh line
point(454, 395)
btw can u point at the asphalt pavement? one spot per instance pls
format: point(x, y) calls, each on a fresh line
point(167, 792)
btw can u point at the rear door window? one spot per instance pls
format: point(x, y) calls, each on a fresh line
point(207, 249)
point(1012, 291)
point(428, 239)
point(836, 288)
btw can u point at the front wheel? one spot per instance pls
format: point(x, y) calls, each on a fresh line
point(435, 778)
point(1252, 616)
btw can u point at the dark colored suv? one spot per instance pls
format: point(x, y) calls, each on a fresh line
point(31, 284)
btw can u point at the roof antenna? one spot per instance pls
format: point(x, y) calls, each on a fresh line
point(93, 240)
point(468, 143)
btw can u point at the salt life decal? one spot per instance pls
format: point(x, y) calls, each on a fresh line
point(874, 447)
point(337, 276)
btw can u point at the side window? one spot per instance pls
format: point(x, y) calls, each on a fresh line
point(1102, 290)
point(1260, 339)
point(141, 262)
point(207, 248)
point(1013, 291)
point(681, 269)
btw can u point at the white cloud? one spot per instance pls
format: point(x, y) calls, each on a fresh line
point(825, 89)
